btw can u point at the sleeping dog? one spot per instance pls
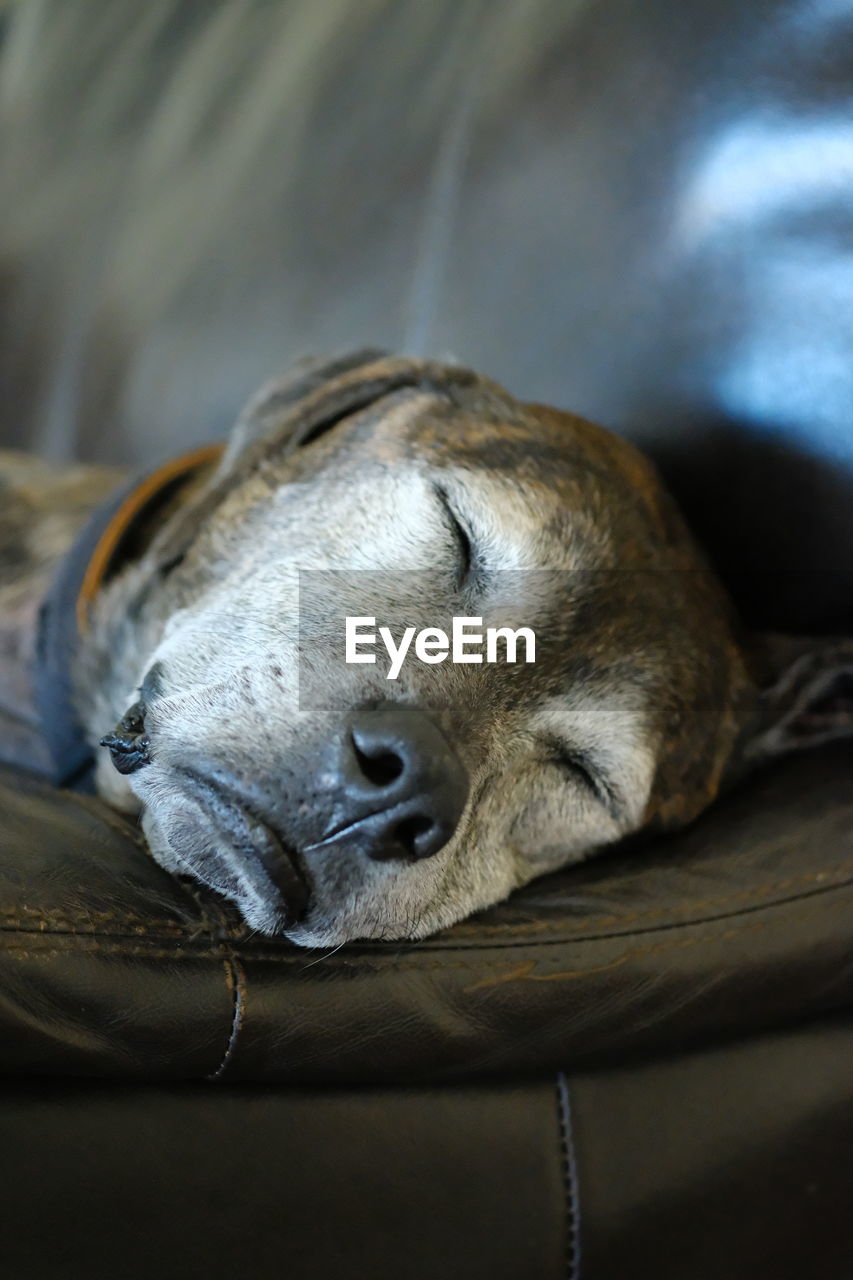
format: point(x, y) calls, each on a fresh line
point(327, 800)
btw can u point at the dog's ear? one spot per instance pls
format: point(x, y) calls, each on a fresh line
point(272, 415)
point(805, 696)
point(309, 400)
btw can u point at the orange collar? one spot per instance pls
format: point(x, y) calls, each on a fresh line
point(154, 488)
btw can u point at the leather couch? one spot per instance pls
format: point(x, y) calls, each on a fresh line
point(643, 1066)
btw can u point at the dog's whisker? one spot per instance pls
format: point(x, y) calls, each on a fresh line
point(328, 954)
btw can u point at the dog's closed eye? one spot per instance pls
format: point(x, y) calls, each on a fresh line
point(580, 767)
point(465, 550)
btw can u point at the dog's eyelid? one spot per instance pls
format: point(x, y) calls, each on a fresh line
point(581, 765)
point(460, 533)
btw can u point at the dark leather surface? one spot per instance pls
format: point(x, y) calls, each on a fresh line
point(109, 967)
point(736, 1163)
point(304, 1185)
point(733, 1163)
point(638, 211)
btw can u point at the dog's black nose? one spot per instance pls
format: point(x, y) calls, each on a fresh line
point(128, 743)
point(404, 788)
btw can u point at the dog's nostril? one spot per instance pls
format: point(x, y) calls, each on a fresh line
point(380, 769)
point(408, 833)
point(403, 788)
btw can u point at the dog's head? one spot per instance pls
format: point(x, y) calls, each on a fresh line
point(331, 802)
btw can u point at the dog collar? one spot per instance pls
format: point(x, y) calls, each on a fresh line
point(101, 548)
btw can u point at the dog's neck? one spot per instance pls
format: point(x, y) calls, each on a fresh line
point(20, 738)
point(42, 511)
point(42, 508)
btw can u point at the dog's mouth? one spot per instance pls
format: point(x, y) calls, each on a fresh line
point(254, 843)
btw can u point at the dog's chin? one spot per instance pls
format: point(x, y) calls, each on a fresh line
point(335, 933)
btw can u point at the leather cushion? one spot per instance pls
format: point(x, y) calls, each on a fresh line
point(109, 966)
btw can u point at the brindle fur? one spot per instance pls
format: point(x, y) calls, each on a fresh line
point(41, 510)
point(640, 663)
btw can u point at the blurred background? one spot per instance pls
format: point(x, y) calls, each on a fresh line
point(641, 211)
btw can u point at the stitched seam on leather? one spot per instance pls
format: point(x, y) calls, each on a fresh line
point(11, 916)
point(687, 904)
point(216, 927)
point(235, 977)
point(30, 917)
point(179, 953)
point(45, 921)
point(589, 933)
point(570, 1180)
point(86, 921)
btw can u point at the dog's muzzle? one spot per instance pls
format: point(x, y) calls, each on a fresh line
point(394, 791)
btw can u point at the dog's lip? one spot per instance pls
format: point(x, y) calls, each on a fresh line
point(275, 855)
point(343, 829)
